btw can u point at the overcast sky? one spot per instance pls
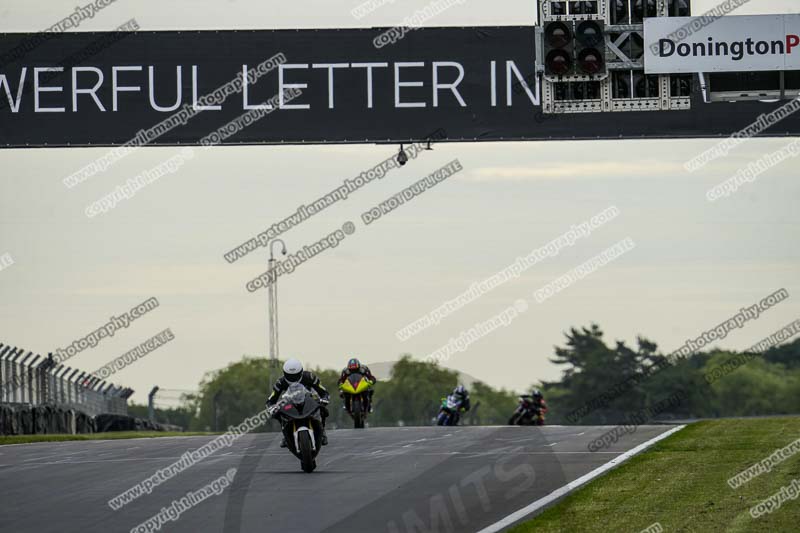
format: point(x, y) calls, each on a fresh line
point(694, 265)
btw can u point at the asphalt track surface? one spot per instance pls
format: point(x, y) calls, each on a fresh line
point(422, 479)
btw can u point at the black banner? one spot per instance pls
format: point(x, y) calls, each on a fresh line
point(306, 86)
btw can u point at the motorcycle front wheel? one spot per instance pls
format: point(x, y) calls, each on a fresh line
point(306, 452)
point(358, 413)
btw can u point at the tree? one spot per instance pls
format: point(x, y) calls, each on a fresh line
point(413, 393)
point(490, 406)
point(756, 388)
point(595, 368)
point(786, 354)
point(241, 389)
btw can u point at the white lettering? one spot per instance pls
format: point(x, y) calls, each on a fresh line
point(92, 92)
point(330, 67)
point(283, 86)
point(452, 86)
point(116, 88)
point(398, 84)
point(369, 67)
point(37, 89)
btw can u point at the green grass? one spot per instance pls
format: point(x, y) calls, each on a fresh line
point(114, 435)
point(681, 483)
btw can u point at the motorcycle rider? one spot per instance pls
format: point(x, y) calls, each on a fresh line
point(353, 366)
point(293, 373)
point(462, 394)
point(461, 397)
point(538, 402)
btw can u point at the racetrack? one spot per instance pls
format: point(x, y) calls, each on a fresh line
point(381, 479)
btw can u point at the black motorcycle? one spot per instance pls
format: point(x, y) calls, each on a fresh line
point(299, 414)
point(527, 413)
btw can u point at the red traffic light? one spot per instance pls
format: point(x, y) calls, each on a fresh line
point(590, 61)
point(558, 62)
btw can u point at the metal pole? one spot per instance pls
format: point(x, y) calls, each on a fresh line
point(272, 316)
point(151, 411)
point(3, 350)
point(18, 370)
point(31, 379)
point(272, 303)
point(216, 409)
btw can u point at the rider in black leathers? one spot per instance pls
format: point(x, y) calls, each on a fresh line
point(292, 373)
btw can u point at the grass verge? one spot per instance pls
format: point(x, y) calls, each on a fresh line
point(681, 484)
point(114, 435)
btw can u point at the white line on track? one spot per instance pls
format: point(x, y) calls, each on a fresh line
point(43, 457)
point(569, 487)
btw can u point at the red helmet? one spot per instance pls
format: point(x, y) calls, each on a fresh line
point(353, 364)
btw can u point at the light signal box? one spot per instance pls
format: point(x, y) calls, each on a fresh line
point(589, 55)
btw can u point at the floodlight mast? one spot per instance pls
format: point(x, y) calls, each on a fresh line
point(272, 302)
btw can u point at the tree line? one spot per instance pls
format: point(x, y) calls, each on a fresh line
point(600, 384)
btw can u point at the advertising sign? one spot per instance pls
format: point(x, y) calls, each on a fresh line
point(370, 85)
point(676, 45)
point(351, 85)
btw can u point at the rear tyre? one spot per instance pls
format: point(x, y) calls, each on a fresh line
point(306, 452)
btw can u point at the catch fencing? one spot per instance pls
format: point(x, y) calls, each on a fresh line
point(31, 379)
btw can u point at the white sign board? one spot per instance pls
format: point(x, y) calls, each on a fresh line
point(675, 45)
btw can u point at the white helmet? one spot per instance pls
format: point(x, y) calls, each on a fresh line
point(293, 370)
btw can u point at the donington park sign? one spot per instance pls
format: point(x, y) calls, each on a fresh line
point(728, 44)
point(306, 86)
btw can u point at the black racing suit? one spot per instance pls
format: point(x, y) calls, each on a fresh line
point(310, 381)
point(465, 403)
point(364, 370)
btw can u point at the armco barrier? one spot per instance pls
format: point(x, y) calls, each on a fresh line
point(20, 419)
point(111, 422)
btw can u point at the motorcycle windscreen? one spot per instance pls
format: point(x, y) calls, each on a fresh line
point(357, 382)
point(293, 401)
point(296, 394)
point(452, 403)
